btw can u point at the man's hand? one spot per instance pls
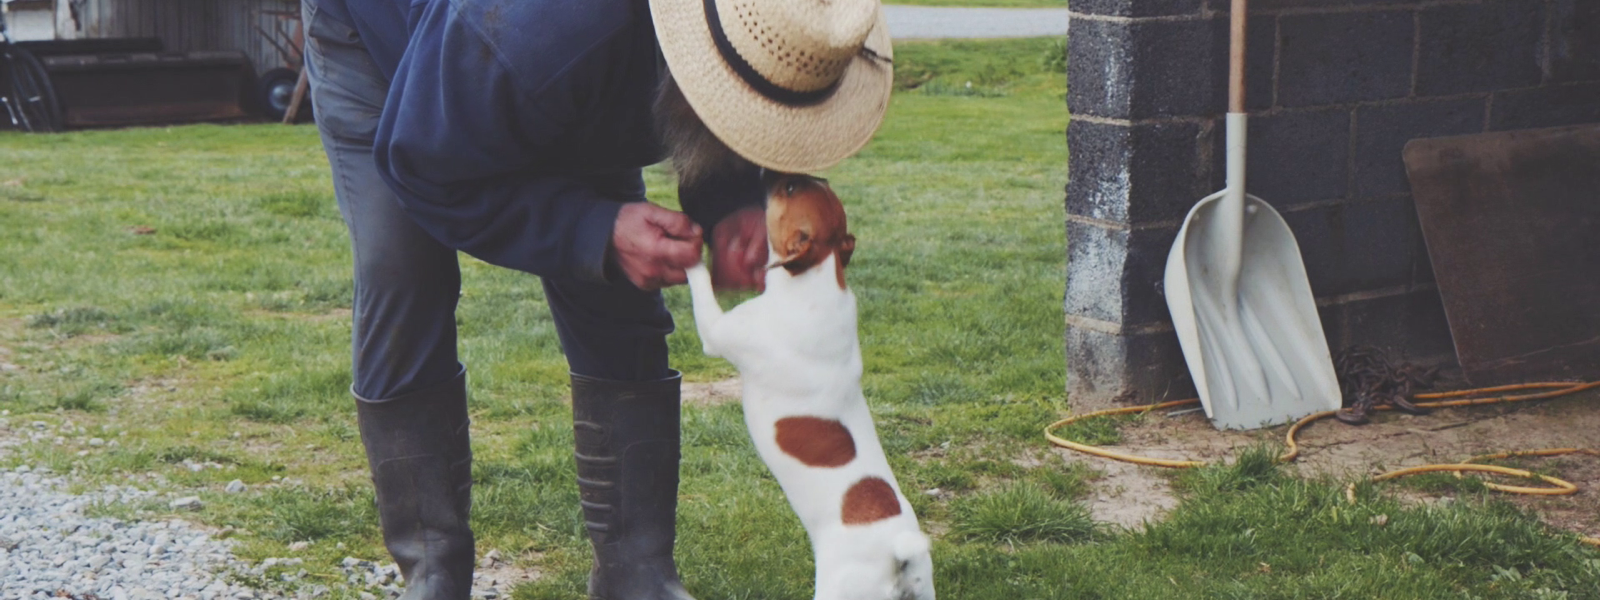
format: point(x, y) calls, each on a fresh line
point(739, 251)
point(652, 245)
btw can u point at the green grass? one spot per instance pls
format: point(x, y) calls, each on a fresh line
point(222, 337)
point(1020, 513)
point(982, 68)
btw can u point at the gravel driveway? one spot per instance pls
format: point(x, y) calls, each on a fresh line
point(54, 547)
point(929, 22)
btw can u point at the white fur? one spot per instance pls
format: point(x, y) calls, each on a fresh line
point(796, 350)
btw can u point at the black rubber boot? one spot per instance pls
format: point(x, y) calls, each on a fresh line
point(627, 452)
point(421, 463)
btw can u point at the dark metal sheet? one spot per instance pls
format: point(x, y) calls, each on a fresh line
point(101, 90)
point(1512, 223)
point(46, 48)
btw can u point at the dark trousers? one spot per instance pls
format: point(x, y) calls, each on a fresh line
point(407, 283)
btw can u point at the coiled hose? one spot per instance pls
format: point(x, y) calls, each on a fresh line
point(1439, 400)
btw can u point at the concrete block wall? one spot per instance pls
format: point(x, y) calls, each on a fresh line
point(1335, 89)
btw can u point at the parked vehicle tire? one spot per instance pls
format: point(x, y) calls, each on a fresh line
point(31, 94)
point(276, 89)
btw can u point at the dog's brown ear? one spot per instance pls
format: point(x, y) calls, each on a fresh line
point(847, 246)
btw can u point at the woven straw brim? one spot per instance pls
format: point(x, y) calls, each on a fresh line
point(791, 139)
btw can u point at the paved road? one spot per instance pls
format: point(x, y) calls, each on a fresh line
point(925, 22)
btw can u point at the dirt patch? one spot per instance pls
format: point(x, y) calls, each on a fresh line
point(84, 340)
point(711, 393)
point(10, 331)
point(153, 391)
point(337, 314)
point(1130, 494)
point(504, 576)
point(268, 442)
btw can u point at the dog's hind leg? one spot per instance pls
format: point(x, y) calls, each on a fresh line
point(706, 310)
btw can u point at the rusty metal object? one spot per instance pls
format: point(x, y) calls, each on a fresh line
point(1369, 379)
point(146, 88)
point(1510, 220)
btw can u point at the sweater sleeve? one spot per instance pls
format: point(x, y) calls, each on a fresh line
point(713, 198)
point(454, 142)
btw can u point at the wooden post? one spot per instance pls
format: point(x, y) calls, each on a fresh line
point(295, 100)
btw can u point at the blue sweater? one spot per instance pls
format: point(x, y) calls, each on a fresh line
point(513, 127)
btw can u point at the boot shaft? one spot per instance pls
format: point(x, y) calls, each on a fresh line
point(626, 436)
point(420, 456)
point(627, 450)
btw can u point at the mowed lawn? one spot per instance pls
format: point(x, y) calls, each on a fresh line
point(183, 292)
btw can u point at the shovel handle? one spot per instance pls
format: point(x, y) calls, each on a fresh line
point(1239, 15)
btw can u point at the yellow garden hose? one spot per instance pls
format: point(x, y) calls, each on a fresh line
point(1113, 455)
point(1571, 489)
point(1455, 399)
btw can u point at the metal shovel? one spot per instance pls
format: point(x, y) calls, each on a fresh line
point(1239, 296)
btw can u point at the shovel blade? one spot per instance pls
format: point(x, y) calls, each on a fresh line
point(1257, 353)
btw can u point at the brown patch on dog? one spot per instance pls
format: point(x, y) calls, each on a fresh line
point(868, 501)
point(816, 442)
point(806, 223)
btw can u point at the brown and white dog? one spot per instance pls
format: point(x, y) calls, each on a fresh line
point(797, 352)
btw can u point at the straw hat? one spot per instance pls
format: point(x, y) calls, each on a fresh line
point(791, 85)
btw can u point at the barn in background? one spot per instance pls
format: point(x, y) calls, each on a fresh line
point(267, 31)
point(89, 43)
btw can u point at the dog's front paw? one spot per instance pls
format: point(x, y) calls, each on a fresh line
point(706, 310)
point(698, 274)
